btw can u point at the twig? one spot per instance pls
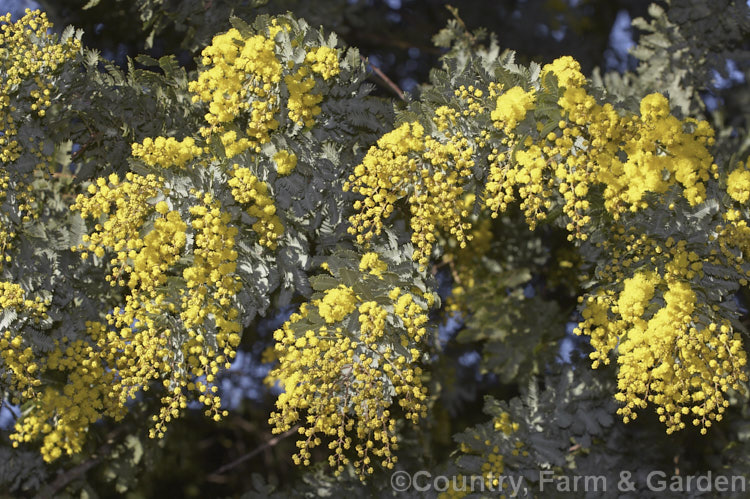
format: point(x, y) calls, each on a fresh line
point(387, 80)
point(65, 478)
point(254, 452)
point(454, 13)
point(13, 411)
point(83, 148)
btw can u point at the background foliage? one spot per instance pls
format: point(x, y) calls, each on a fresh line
point(499, 351)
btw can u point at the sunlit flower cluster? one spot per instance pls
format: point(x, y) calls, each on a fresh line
point(241, 78)
point(669, 352)
point(285, 162)
point(372, 263)
point(429, 171)
point(248, 190)
point(738, 184)
point(339, 381)
point(629, 155)
point(511, 107)
point(29, 57)
point(125, 205)
point(62, 415)
point(166, 152)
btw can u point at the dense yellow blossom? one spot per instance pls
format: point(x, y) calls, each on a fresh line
point(138, 348)
point(338, 381)
point(337, 303)
point(247, 189)
point(372, 263)
point(738, 184)
point(166, 152)
point(567, 70)
point(285, 162)
point(125, 206)
point(240, 83)
point(12, 296)
point(30, 57)
point(62, 415)
point(630, 156)
point(429, 171)
point(303, 103)
point(669, 357)
point(239, 77)
point(19, 359)
point(324, 61)
point(511, 107)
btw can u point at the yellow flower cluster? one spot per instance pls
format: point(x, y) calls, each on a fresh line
point(13, 296)
point(337, 380)
point(242, 78)
point(208, 299)
point(324, 61)
point(667, 355)
point(166, 152)
point(239, 77)
point(431, 172)
point(302, 104)
point(285, 162)
point(629, 156)
point(337, 303)
point(160, 334)
point(511, 108)
point(738, 184)
point(566, 70)
point(247, 189)
point(383, 177)
point(125, 206)
point(29, 57)
point(62, 416)
point(23, 365)
point(658, 144)
point(16, 359)
point(372, 263)
point(160, 251)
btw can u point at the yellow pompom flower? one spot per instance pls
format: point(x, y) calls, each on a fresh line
point(738, 184)
point(511, 108)
point(285, 162)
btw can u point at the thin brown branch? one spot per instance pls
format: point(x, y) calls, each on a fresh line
point(65, 478)
point(385, 78)
point(454, 13)
point(252, 453)
point(85, 146)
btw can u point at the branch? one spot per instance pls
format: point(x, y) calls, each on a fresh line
point(66, 477)
point(253, 453)
point(454, 13)
point(92, 139)
point(387, 80)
